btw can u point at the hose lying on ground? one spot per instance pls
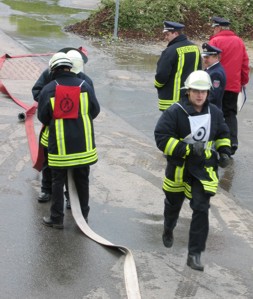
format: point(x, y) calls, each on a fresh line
point(131, 279)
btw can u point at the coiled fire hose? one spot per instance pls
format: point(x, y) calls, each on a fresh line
point(37, 156)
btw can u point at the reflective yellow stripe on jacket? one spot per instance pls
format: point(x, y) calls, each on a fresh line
point(71, 160)
point(84, 108)
point(170, 146)
point(44, 136)
point(62, 159)
point(222, 142)
point(176, 187)
point(166, 103)
point(177, 183)
point(210, 186)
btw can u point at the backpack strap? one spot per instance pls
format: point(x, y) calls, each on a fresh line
point(81, 83)
point(182, 108)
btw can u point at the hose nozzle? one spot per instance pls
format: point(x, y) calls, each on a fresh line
point(21, 116)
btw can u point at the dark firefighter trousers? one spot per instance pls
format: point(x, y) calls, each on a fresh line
point(46, 182)
point(81, 179)
point(229, 108)
point(200, 204)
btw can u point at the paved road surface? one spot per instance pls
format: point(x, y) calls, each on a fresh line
point(126, 208)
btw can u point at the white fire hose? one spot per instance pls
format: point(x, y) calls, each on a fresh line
point(130, 273)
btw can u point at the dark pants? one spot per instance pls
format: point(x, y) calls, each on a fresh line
point(46, 182)
point(200, 204)
point(81, 179)
point(229, 108)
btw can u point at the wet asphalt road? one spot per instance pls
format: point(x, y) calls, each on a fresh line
point(126, 197)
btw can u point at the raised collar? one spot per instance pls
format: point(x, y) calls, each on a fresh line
point(177, 39)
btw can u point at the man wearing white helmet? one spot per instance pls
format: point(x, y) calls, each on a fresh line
point(78, 68)
point(76, 59)
point(195, 138)
point(79, 57)
point(67, 106)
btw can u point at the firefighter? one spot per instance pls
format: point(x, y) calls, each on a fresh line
point(213, 67)
point(177, 61)
point(68, 105)
point(78, 56)
point(195, 138)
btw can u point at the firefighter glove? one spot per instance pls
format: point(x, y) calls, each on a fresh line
point(224, 160)
point(198, 148)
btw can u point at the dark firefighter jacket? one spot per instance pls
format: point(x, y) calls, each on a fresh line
point(218, 78)
point(177, 61)
point(46, 77)
point(172, 127)
point(71, 142)
point(43, 80)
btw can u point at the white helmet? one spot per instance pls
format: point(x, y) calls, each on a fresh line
point(77, 61)
point(59, 59)
point(199, 80)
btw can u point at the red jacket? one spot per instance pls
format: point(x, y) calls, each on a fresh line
point(234, 59)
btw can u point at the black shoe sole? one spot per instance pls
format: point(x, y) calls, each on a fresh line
point(43, 200)
point(53, 225)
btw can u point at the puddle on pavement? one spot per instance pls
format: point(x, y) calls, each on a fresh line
point(39, 25)
point(38, 18)
point(131, 56)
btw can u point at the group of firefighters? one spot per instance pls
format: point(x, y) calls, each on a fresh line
point(197, 131)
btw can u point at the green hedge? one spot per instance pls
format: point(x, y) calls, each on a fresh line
point(148, 15)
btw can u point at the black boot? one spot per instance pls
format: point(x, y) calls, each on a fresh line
point(48, 221)
point(194, 262)
point(168, 238)
point(44, 197)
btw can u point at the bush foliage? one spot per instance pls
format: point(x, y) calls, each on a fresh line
point(147, 16)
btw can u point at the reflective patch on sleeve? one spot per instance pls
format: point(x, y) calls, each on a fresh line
point(216, 83)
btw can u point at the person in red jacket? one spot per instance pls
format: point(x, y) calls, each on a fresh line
point(235, 60)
